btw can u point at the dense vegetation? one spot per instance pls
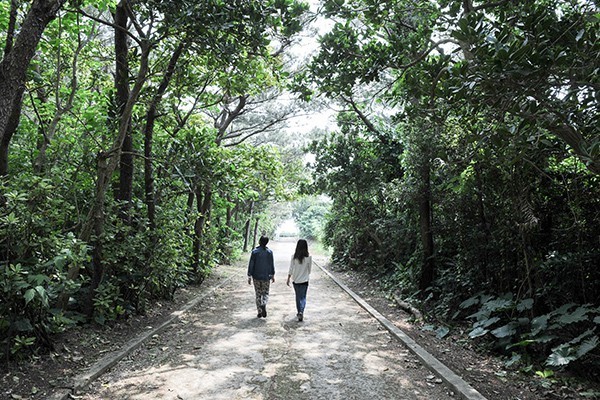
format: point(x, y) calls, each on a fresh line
point(129, 165)
point(463, 171)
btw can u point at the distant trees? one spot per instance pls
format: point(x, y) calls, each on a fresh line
point(310, 214)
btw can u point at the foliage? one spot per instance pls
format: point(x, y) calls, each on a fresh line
point(202, 181)
point(467, 148)
point(564, 335)
point(28, 290)
point(309, 214)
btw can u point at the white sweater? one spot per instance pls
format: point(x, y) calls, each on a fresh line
point(300, 271)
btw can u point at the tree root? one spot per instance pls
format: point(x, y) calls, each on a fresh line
point(408, 308)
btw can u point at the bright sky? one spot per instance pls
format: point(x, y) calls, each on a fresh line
point(288, 226)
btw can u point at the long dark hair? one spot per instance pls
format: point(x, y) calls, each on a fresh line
point(301, 250)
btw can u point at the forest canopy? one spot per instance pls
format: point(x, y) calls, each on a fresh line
point(464, 173)
point(140, 146)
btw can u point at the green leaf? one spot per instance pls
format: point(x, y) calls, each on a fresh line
point(442, 332)
point(580, 314)
point(23, 325)
point(514, 359)
point(504, 331)
point(39, 279)
point(43, 295)
point(587, 346)
point(590, 394)
point(499, 304)
point(29, 295)
point(563, 309)
point(469, 302)
point(561, 355)
point(477, 332)
point(487, 322)
point(539, 324)
point(526, 304)
point(547, 373)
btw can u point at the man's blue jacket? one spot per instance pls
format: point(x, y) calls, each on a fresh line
point(261, 266)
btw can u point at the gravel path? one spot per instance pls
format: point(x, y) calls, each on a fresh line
point(221, 350)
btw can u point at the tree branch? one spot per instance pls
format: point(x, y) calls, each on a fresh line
point(361, 115)
point(489, 5)
point(110, 24)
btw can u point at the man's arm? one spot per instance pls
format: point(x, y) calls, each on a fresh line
point(251, 267)
point(272, 267)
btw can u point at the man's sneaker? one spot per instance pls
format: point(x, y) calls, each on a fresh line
point(300, 317)
point(264, 311)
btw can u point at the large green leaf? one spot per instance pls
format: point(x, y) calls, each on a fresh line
point(477, 332)
point(29, 295)
point(579, 315)
point(471, 301)
point(587, 346)
point(526, 304)
point(23, 325)
point(505, 331)
point(539, 324)
point(561, 356)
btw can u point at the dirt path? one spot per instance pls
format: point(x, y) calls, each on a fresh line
point(221, 350)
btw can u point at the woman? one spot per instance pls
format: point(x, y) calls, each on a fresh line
point(299, 273)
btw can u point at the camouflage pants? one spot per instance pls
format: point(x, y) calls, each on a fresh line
point(261, 289)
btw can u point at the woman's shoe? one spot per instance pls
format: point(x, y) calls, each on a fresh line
point(300, 317)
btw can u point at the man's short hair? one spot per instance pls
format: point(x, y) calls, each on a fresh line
point(263, 241)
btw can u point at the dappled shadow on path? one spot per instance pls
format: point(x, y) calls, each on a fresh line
point(221, 350)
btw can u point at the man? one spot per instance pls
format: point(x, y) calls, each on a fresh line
point(261, 269)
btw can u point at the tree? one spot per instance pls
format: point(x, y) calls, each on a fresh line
point(309, 213)
point(534, 61)
point(483, 97)
point(19, 50)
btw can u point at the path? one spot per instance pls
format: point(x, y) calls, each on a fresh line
point(221, 350)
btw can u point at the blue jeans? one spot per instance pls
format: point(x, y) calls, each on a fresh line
point(300, 289)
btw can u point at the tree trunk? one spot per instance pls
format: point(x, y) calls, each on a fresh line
point(255, 233)
point(12, 23)
point(123, 195)
point(483, 220)
point(11, 128)
point(428, 268)
point(247, 227)
point(14, 64)
point(95, 216)
point(229, 216)
point(148, 168)
point(203, 204)
point(149, 133)
point(96, 243)
point(197, 235)
point(15, 113)
point(92, 233)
